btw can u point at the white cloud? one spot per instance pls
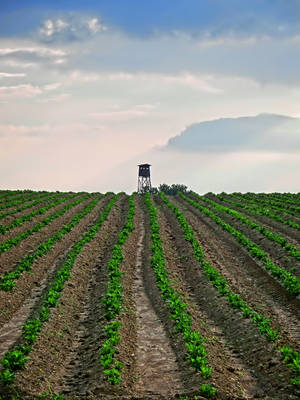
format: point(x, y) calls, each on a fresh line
point(10, 75)
point(71, 27)
point(52, 86)
point(22, 130)
point(95, 25)
point(121, 115)
point(21, 91)
point(38, 51)
point(55, 99)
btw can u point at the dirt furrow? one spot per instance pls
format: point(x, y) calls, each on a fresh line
point(10, 218)
point(10, 302)
point(10, 259)
point(292, 235)
point(63, 333)
point(241, 336)
point(38, 218)
point(157, 370)
point(276, 252)
point(246, 277)
point(230, 375)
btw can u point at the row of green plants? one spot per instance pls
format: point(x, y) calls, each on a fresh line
point(196, 351)
point(289, 281)
point(14, 241)
point(277, 202)
point(291, 249)
point(290, 356)
point(8, 280)
point(18, 199)
point(257, 210)
point(289, 198)
point(40, 199)
point(281, 210)
point(15, 359)
point(28, 217)
point(112, 302)
point(18, 194)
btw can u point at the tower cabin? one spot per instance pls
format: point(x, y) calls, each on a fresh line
point(144, 181)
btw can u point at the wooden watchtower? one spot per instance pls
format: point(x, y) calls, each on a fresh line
point(144, 181)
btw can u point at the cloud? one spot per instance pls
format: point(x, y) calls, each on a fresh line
point(262, 133)
point(19, 91)
point(71, 27)
point(23, 130)
point(40, 52)
point(52, 86)
point(138, 111)
point(56, 99)
point(11, 75)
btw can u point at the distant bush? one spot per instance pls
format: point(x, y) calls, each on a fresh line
point(172, 189)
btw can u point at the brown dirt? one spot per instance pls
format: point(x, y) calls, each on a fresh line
point(240, 334)
point(10, 259)
point(71, 328)
point(230, 374)
point(291, 234)
point(10, 302)
point(245, 276)
point(29, 224)
point(10, 218)
point(277, 253)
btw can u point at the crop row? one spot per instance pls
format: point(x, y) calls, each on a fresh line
point(112, 302)
point(277, 202)
point(256, 210)
point(21, 198)
point(196, 352)
point(14, 360)
point(291, 357)
point(291, 249)
point(7, 282)
point(291, 283)
point(289, 198)
point(9, 243)
point(28, 217)
point(280, 208)
point(40, 199)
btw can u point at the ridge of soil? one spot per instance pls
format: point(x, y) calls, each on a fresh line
point(278, 227)
point(10, 218)
point(68, 327)
point(230, 375)
point(9, 259)
point(10, 302)
point(239, 333)
point(275, 251)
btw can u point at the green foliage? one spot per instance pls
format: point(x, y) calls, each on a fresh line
point(112, 302)
point(172, 189)
point(264, 325)
point(291, 283)
point(196, 352)
point(14, 360)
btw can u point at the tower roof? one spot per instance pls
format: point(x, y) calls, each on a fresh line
point(144, 165)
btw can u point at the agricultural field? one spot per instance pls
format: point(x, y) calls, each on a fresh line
point(153, 296)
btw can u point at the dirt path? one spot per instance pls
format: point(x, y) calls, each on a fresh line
point(230, 375)
point(245, 276)
point(157, 369)
point(241, 336)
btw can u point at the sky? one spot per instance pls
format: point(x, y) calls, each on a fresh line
point(88, 90)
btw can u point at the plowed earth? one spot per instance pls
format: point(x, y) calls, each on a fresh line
point(65, 357)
